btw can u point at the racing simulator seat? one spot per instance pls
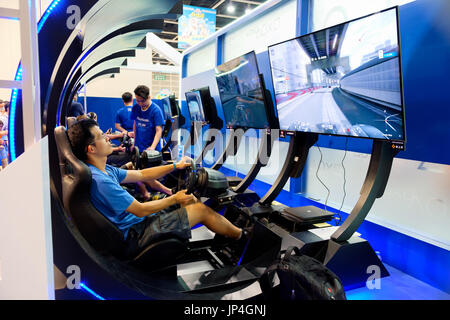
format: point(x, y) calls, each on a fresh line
point(101, 234)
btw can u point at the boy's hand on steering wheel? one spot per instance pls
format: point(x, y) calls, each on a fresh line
point(182, 198)
point(184, 163)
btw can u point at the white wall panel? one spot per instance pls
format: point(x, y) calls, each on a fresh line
point(416, 201)
point(274, 26)
point(201, 60)
point(26, 252)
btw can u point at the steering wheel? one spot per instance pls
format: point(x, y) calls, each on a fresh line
point(136, 158)
point(191, 178)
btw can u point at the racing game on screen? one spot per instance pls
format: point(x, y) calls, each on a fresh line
point(343, 80)
point(241, 93)
point(195, 107)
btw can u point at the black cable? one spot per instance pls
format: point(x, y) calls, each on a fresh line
point(317, 175)
point(345, 194)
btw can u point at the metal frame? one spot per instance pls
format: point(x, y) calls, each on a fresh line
point(29, 82)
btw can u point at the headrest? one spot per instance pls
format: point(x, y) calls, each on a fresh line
point(70, 121)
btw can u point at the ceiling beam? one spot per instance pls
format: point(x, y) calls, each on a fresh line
point(217, 4)
point(248, 2)
point(170, 32)
point(170, 21)
point(226, 16)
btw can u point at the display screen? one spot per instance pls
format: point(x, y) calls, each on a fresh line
point(343, 80)
point(167, 108)
point(195, 106)
point(173, 105)
point(241, 93)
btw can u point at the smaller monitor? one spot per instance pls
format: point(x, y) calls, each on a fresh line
point(167, 109)
point(195, 102)
point(242, 94)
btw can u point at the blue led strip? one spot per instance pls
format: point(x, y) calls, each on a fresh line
point(87, 289)
point(18, 77)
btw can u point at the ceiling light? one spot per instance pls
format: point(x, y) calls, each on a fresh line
point(230, 8)
point(248, 10)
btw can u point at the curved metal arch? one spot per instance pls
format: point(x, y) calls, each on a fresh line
point(117, 14)
point(104, 72)
point(141, 27)
point(124, 54)
point(113, 63)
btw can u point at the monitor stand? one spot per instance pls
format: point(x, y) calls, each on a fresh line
point(195, 134)
point(230, 150)
point(171, 142)
point(345, 253)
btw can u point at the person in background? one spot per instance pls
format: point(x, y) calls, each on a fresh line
point(148, 125)
point(148, 121)
point(123, 116)
point(4, 108)
point(75, 109)
point(4, 140)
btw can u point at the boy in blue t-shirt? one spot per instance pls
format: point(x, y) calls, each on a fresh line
point(149, 220)
point(123, 116)
point(147, 127)
point(148, 121)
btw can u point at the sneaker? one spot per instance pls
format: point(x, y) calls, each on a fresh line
point(247, 233)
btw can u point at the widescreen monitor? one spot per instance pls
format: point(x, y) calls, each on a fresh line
point(195, 106)
point(343, 80)
point(241, 93)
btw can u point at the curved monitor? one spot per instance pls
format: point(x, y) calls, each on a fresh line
point(344, 80)
point(195, 103)
point(242, 94)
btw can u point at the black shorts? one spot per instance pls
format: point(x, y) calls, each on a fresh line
point(168, 223)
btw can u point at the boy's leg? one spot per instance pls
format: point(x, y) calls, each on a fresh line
point(199, 213)
point(158, 186)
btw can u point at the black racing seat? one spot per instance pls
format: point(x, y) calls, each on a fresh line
point(101, 234)
point(70, 121)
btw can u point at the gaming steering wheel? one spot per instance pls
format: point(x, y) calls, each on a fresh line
point(190, 178)
point(136, 158)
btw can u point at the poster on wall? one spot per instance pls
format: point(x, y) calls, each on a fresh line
point(194, 25)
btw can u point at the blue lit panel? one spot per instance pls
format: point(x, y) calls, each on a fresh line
point(89, 290)
point(18, 77)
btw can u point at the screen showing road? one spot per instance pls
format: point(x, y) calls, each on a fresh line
point(343, 80)
point(195, 106)
point(241, 93)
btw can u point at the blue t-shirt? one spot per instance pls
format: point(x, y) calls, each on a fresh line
point(111, 199)
point(76, 109)
point(123, 117)
point(146, 123)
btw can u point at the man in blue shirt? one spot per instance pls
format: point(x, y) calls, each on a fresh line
point(149, 220)
point(75, 109)
point(148, 121)
point(123, 116)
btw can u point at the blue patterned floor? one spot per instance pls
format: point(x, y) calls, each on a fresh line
point(398, 286)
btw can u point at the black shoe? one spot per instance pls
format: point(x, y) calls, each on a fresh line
point(242, 221)
point(246, 235)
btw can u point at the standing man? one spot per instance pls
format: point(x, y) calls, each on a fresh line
point(148, 121)
point(75, 109)
point(123, 116)
point(4, 107)
point(148, 124)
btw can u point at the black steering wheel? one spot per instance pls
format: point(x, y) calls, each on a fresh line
point(191, 178)
point(136, 158)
